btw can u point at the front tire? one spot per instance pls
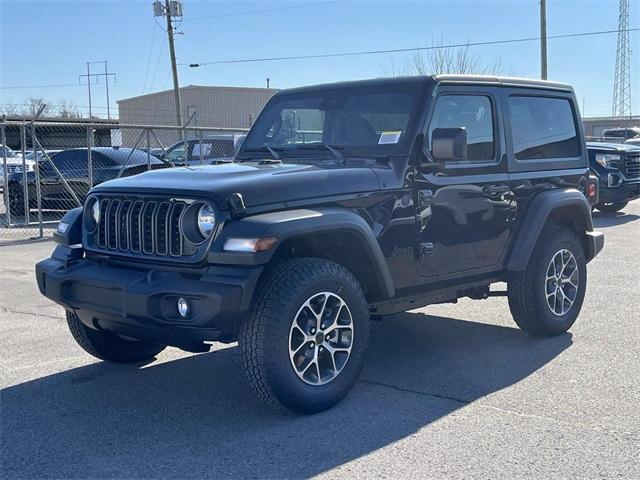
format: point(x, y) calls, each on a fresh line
point(304, 341)
point(611, 207)
point(546, 298)
point(109, 346)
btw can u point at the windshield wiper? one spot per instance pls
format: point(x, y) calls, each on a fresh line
point(265, 147)
point(334, 151)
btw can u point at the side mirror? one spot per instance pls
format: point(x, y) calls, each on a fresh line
point(449, 144)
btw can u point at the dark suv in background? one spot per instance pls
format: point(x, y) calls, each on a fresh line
point(72, 175)
point(617, 166)
point(345, 201)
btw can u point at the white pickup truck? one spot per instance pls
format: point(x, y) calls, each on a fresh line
point(14, 163)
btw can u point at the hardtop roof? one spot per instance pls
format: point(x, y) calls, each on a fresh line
point(432, 79)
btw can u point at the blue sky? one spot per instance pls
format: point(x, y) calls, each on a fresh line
point(48, 43)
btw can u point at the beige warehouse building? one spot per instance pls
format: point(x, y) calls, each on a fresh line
point(202, 106)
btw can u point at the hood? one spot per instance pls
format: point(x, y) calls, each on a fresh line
point(258, 184)
point(613, 147)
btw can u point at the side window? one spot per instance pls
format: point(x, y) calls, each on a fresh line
point(177, 153)
point(473, 113)
point(71, 163)
point(102, 162)
point(197, 150)
point(542, 128)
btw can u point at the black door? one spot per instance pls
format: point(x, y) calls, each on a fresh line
point(465, 208)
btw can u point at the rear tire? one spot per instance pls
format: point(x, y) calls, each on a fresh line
point(304, 342)
point(611, 207)
point(16, 202)
point(109, 346)
point(546, 298)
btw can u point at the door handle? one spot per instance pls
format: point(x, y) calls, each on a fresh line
point(495, 190)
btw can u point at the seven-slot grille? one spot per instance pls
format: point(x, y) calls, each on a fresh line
point(142, 226)
point(631, 166)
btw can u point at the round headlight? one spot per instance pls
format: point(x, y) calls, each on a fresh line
point(206, 220)
point(92, 215)
point(95, 211)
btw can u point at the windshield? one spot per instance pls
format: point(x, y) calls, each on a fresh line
point(371, 121)
point(6, 150)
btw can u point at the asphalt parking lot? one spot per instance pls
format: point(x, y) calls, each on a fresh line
point(452, 391)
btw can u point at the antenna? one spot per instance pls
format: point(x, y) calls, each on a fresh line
point(622, 82)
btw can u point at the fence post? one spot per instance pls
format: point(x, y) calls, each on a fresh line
point(25, 186)
point(90, 155)
point(36, 173)
point(148, 150)
point(5, 173)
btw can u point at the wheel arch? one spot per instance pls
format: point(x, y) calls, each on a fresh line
point(332, 233)
point(568, 207)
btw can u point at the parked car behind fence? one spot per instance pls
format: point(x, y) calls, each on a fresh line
point(65, 188)
point(14, 163)
point(218, 148)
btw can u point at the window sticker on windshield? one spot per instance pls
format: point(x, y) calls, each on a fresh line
point(389, 137)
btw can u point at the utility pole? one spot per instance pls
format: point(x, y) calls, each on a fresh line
point(106, 81)
point(106, 76)
point(172, 9)
point(543, 39)
point(89, 85)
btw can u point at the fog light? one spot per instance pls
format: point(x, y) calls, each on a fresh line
point(614, 180)
point(183, 307)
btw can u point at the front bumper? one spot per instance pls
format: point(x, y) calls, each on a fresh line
point(142, 302)
point(595, 244)
point(624, 192)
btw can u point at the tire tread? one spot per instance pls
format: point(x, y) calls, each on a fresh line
point(273, 293)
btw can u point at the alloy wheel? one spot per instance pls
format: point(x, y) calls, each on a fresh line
point(321, 338)
point(561, 282)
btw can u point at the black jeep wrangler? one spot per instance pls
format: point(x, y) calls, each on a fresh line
point(345, 201)
point(617, 167)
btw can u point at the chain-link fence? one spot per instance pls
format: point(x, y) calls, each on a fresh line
point(47, 168)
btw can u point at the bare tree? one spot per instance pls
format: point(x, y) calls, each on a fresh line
point(32, 106)
point(67, 110)
point(446, 60)
point(8, 109)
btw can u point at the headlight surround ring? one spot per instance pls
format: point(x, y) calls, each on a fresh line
point(92, 215)
point(199, 222)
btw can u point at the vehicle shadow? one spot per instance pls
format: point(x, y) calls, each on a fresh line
point(196, 417)
point(603, 220)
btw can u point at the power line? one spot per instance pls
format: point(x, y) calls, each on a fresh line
point(155, 70)
point(15, 87)
point(265, 10)
point(117, 86)
point(146, 69)
point(404, 50)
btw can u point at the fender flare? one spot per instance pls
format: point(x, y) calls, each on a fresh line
point(540, 208)
point(72, 235)
point(289, 224)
